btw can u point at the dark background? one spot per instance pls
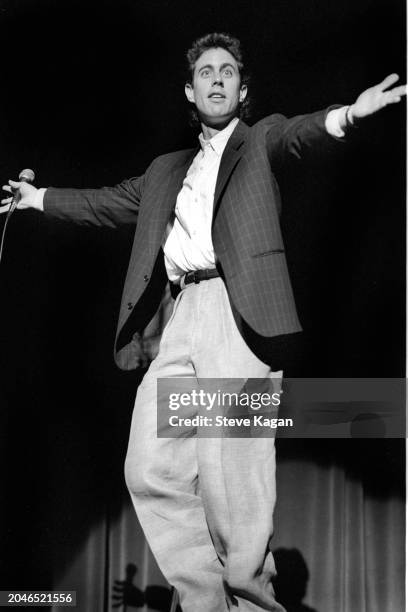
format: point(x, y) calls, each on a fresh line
point(91, 93)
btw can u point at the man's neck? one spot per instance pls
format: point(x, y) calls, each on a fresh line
point(210, 130)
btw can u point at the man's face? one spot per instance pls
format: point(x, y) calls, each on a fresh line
point(216, 89)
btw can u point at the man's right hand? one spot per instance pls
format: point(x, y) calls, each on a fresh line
point(29, 196)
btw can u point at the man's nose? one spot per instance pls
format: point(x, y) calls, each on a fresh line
point(217, 80)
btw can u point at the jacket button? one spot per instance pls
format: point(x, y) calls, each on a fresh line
point(130, 305)
point(145, 278)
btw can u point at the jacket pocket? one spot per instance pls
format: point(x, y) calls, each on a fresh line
point(271, 252)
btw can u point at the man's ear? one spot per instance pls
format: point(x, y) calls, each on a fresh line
point(243, 93)
point(189, 91)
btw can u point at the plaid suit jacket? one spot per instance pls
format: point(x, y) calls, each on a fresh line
point(246, 231)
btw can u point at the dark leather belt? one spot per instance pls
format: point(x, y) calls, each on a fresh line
point(196, 276)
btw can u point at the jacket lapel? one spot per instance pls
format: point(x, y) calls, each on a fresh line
point(168, 201)
point(231, 156)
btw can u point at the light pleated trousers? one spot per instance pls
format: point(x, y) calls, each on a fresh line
point(205, 503)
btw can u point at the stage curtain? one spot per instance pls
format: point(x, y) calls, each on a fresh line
point(339, 536)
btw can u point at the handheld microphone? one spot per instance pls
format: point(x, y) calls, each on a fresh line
point(25, 176)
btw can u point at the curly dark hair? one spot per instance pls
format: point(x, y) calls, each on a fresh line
point(230, 44)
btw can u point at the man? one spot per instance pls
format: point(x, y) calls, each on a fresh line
point(208, 221)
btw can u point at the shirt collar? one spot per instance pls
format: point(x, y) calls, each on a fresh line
point(219, 141)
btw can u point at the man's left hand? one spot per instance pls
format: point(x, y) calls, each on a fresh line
point(375, 98)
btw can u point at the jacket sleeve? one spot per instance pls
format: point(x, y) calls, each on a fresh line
point(108, 206)
point(298, 136)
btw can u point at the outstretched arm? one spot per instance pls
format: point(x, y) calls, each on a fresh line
point(109, 206)
point(293, 138)
point(374, 99)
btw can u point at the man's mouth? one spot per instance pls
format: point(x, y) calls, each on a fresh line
point(217, 96)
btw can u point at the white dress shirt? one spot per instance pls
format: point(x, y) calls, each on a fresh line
point(188, 243)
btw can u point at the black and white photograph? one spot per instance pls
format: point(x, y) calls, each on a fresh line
point(203, 305)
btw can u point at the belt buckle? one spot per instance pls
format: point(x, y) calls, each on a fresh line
point(196, 277)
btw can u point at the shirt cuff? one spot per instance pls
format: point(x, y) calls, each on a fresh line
point(39, 199)
point(334, 120)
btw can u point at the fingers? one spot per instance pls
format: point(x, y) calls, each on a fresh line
point(388, 81)
point(7, 200)
point(12, 186)
point(393, 96)
point(399, 91)
point(4, 209)
point(15, 184)
point(394, 100)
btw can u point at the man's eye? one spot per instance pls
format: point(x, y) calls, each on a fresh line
point(205, 73)
point(228, 72)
